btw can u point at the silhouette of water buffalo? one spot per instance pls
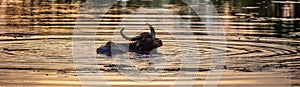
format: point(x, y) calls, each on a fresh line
point(144, 43)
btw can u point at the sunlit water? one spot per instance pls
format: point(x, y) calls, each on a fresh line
point(36, 44)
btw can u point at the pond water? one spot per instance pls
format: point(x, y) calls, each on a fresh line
point(262, 42)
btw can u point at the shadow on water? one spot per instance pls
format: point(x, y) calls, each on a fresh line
point(287, 29)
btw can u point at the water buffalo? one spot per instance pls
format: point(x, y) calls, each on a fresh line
point(144, 43)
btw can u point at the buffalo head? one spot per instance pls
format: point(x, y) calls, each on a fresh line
point(144, 42)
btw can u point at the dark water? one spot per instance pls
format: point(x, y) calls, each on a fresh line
point(262, 40)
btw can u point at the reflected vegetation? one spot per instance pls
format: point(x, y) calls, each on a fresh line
point(263, 42)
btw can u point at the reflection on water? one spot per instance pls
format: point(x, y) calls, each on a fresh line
point(262, 40)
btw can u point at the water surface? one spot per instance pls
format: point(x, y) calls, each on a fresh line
point(262, 45)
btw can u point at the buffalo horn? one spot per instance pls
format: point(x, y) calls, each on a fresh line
point(152, 30)
point(129, 38)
